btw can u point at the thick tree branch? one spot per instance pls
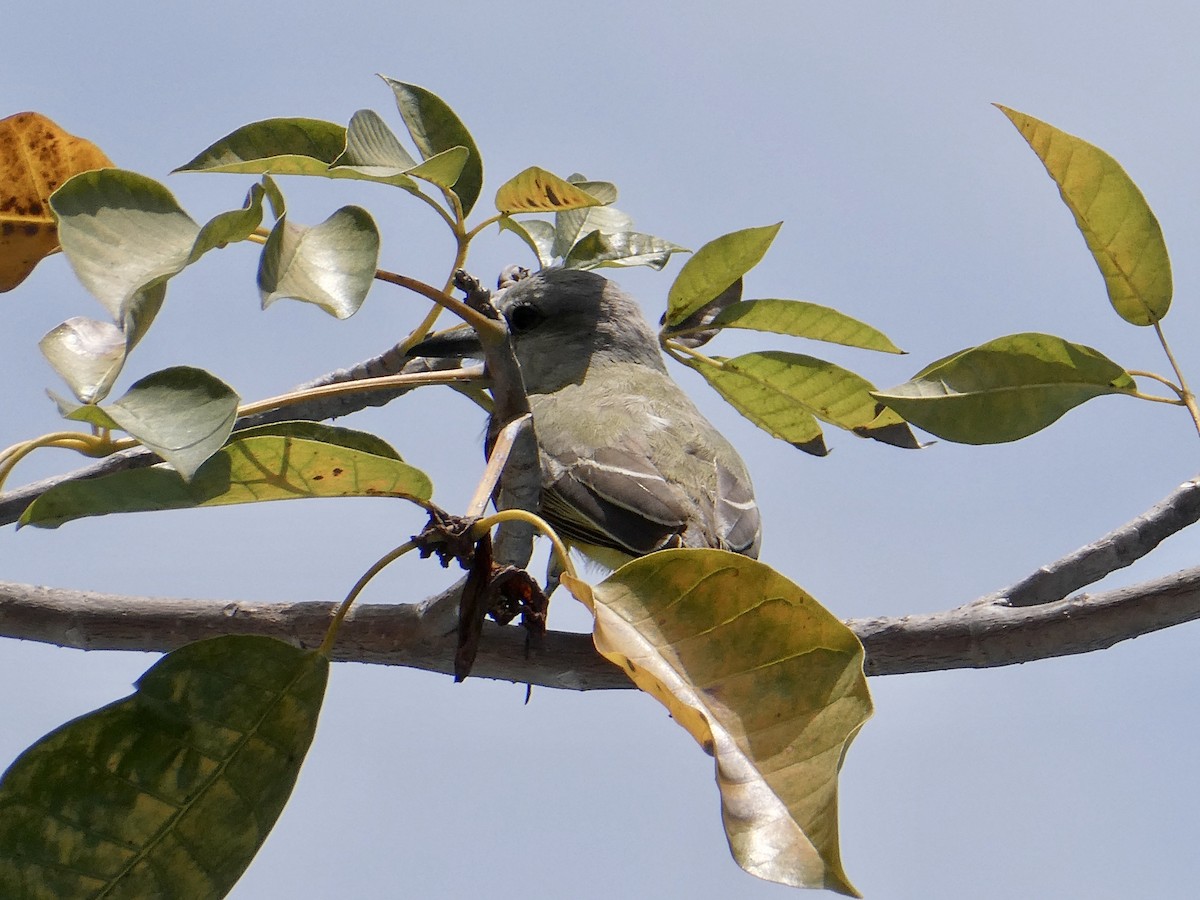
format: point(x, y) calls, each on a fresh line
point(973, 636)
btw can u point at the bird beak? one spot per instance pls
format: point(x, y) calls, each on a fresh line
point(453, 343)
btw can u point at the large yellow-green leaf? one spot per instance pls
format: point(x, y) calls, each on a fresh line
point(536, 190)
point(283, 461)
point(170, 792)
point(1116, 221)
point(1005, 389)
point(771, 410)
point(714, 267)
point(763, 678)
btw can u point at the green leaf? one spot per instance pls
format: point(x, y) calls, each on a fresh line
point(573, 225)
point(124, 235)
point(806, 320)
point(370, 143)
point(538, 235)
point(773, 389)
point(536, 190)
point(230, 227)
point(1005, 389)
point(274, 196)
point(277, 146)
point(764, 678)
point(332, 264)
point(714, 267)
point(88, 354)
point(181, 413)
point(374, 153)
point(435, 128)
point(1117, 223)
point(625, 248)
point(283, 461)
point(170, 792)
point(604, 191)
point(771, 410)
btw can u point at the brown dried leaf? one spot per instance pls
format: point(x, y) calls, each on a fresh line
point(36, 156)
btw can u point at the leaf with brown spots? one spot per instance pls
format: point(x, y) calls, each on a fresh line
point(536, 190)
point(36, 156)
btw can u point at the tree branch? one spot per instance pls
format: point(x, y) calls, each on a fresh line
point(14, 502)
point(976, 635)
point(1116, 550)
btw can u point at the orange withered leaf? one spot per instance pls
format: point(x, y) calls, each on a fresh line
point(36, 156)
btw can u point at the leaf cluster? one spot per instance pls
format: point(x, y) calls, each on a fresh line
point(171, 791)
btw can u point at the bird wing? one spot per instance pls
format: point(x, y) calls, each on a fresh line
point(613, 499)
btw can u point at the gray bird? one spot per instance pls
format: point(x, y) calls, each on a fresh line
point(629, 465)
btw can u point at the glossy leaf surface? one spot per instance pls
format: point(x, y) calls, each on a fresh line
point(170, 792)
point(1005, 389)
point(763, 678)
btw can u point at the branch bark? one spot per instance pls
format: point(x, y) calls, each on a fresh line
point(976, 635)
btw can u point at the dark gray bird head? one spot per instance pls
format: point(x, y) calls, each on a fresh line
point(561, 322)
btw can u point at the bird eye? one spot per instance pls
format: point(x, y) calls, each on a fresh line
point(524, 318)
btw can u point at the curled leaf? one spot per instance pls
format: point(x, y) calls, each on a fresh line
point(88, 354)
point(435, 128)
point(124, 235)
point(762, 677)
point(331, 265)
point(623, 248)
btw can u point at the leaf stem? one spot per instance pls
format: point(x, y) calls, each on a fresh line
point(80, 441)
point(1186, 395)
point(521, 515)
point(490, 220)
point(442, 298)
point(677, 351)
point(338, 617)
point(1176, 389)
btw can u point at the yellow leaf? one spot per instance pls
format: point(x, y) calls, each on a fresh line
point(536, 190)
point(36, 156)
point(1116, 221)
point(762, 677)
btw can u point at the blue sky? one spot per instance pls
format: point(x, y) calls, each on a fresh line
point(908, 201)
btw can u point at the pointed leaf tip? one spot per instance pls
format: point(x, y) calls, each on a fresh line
point(715, 266)
point(1005, 389)
point(1116, 221)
